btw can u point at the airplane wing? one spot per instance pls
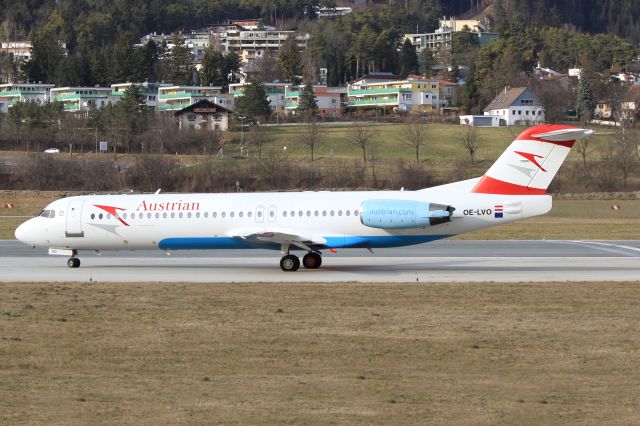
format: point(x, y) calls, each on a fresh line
point(283, 237)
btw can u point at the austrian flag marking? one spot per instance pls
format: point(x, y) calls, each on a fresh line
point(499, 211)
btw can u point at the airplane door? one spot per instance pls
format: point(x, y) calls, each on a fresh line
point(74, 218)
point(260, 214)
point(271, 215)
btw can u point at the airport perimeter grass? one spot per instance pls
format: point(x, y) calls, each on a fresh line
point(343, 353)
point(568, 220)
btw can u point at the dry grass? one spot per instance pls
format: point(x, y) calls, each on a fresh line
point(319, 353)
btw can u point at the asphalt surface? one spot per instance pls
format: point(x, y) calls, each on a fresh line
point(447, 260)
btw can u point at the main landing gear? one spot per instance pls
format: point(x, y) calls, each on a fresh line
point(73, 262)
point(291, 263)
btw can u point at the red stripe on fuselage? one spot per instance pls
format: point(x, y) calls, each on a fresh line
point(489, 185)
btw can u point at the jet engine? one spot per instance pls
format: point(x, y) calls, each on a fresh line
point(403, 214)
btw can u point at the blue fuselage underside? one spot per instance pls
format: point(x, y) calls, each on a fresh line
point(332, 242)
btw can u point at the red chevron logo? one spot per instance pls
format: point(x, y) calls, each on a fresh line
point(113, 211)
point(531, 157)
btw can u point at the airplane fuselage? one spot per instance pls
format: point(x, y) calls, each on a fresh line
point(220, 221)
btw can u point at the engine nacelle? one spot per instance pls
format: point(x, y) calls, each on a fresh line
point(403, 214)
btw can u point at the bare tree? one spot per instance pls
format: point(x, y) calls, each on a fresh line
point(257, 137)
point(625, 157)
point(554, 97)
point(266, 67)
point(414, 133)
point(72, 130)
point(471, 142)
point(362, 136)
point(605, 172)
point(312, 135)
point(582, 146)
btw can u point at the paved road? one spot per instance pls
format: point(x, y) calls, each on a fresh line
point(458, 261)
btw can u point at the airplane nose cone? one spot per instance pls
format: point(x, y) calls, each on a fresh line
point(24, 234)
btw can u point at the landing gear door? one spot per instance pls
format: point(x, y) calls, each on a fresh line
point(74, 218)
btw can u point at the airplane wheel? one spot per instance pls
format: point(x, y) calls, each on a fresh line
point(73, 262)
point(289, 263)
point(312, 260)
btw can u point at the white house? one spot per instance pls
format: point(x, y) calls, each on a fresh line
point(516, 106)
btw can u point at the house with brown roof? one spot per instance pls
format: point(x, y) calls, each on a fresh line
point(516, 106)
point(203, 115)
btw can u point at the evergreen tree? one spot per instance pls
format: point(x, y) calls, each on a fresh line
point(427, 60)
point(289, 60)
point(585, 102)
point(144, 61)
point(212, 63)
point(121, 61)
point(46, 54)
point(307, 104)
point(470, 93)
point(408, 59)
point(181, 68)
point(230, 68)
point(253, 104)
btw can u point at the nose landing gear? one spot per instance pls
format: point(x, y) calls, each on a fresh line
point(73, 262)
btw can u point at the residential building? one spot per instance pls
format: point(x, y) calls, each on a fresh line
point(203, 115)
point(603, 110)
point(628, 78)
point(440, 41)
point(10, 94)
point(174, 98)
point(275, 94)
point(515, 106)
point(480, 120)
point(20, 49)
point(81, 99)
point(548, 74)
point(455, 24)
point(412, 94)
point(330, 100)
point(148, 90)
point(332, 12)
point(247, 37)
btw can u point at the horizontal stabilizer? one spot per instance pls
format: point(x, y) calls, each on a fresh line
point(564, 135)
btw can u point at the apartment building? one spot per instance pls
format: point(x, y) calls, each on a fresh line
point(413, 94)
point(275, 94)
point(174, 98)
point(81, 99)
point(330, 100)
point(10, 94)
point(148, 90)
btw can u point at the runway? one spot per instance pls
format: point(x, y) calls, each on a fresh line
point(442, 261)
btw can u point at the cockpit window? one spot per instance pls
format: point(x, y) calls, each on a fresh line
point(48, 213)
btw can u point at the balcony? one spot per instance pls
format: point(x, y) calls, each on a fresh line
point(360, 102)
point(381, 90)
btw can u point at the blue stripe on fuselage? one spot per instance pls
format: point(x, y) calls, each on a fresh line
point(332, 242)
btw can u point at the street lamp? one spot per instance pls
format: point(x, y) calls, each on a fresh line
point(241, 135)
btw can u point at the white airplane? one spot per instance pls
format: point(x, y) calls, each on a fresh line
point(513, 188)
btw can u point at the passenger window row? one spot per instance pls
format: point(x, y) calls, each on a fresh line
point(214, 215)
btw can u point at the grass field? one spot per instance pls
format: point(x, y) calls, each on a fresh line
point(344, 353)
point(569, 219)
point(443, 143)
